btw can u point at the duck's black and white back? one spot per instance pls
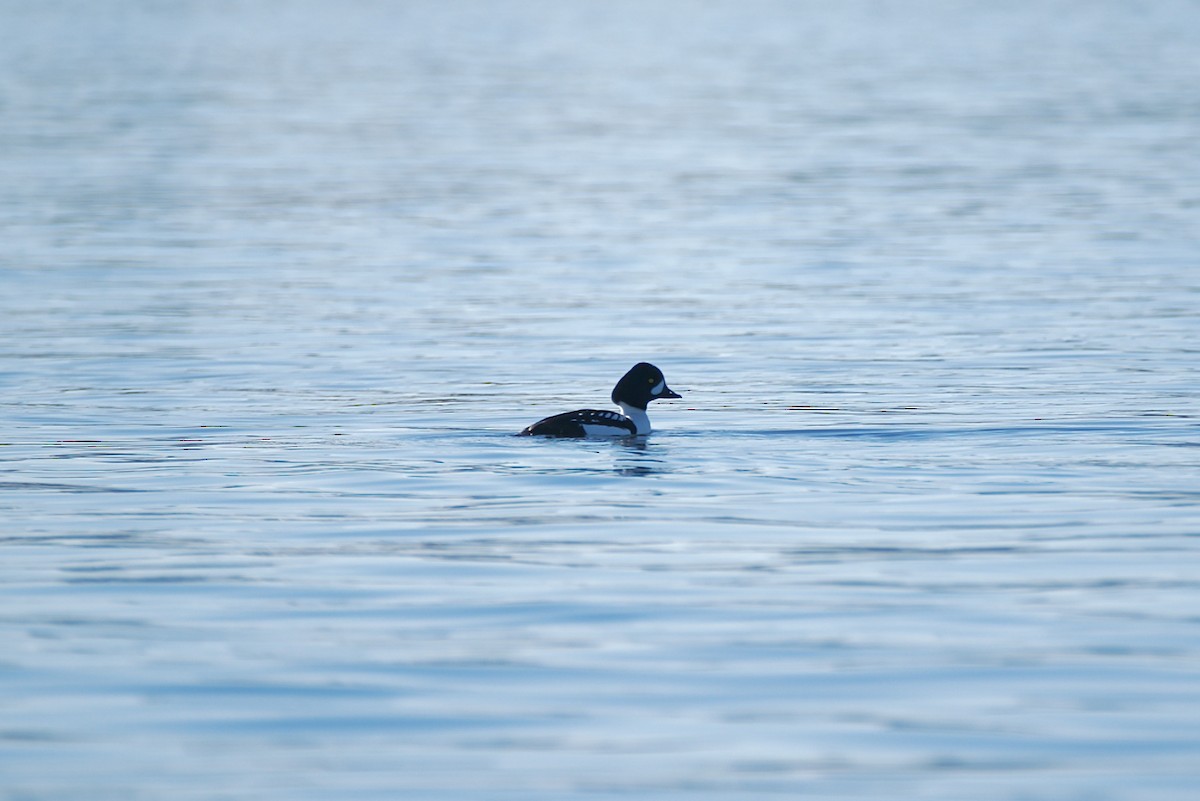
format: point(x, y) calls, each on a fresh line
point(643, 383)
point(584, 423)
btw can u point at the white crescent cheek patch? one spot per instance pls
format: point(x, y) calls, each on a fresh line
point(658, 388)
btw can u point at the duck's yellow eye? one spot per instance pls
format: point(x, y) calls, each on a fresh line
point(651, 381)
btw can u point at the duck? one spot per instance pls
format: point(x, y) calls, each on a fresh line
point(643, 383)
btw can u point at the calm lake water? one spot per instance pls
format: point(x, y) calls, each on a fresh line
point(281, 279)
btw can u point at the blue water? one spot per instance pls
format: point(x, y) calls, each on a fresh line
point(281, 279)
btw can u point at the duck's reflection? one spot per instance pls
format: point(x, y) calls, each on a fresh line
point(635, 456)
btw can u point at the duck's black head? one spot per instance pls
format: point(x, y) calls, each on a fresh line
point(642, 384)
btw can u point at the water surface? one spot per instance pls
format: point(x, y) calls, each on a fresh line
point(281, 280)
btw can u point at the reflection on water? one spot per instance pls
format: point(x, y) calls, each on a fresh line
point(280, 283)
point(636, 457)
